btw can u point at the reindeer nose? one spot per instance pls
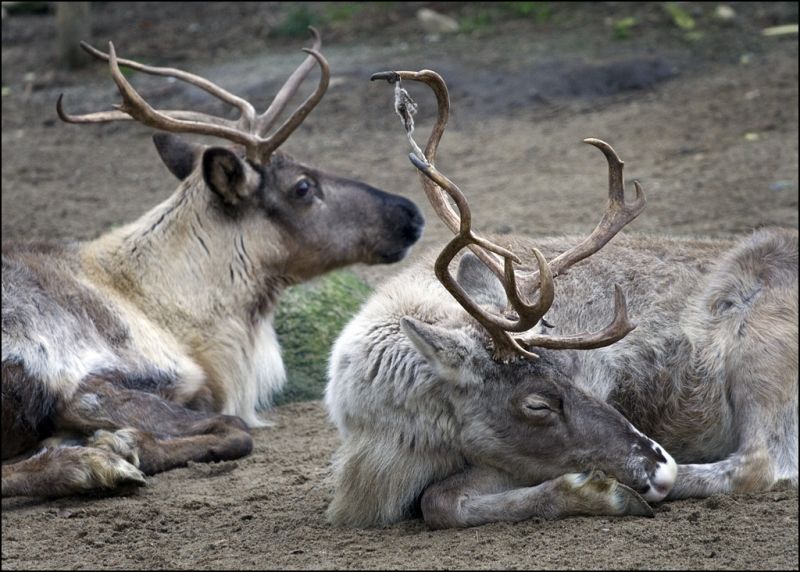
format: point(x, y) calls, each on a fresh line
point(414, 222)
point(662, 478)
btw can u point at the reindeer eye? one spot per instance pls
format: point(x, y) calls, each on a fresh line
point(303, 188)
point(536, 406)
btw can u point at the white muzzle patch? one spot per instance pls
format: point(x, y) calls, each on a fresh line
point(663, 478)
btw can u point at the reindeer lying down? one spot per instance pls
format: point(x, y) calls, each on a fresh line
point(153, 345)
point(460, 398)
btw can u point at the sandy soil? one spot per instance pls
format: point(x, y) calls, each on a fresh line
point(709, 126)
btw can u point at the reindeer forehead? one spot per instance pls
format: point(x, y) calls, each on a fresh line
point(525, 373)
point(278, 160)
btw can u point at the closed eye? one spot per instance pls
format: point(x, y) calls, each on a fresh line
point(536, 406)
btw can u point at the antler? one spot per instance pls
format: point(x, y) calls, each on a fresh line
point(499, 327)
point(248, 130)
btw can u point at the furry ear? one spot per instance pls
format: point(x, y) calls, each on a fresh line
point(178, 155)
point(227, 175)
point(480, 283)
point(447, 350)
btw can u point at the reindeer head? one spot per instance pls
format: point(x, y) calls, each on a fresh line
point(521, 411)
point(527, 417)
point(292, 220)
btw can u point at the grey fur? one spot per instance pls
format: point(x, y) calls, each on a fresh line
point(429, 420)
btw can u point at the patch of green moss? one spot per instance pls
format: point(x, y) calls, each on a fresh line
point(309, 318)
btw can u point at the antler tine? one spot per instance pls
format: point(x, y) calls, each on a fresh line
point(266, 119)
point(116, 115)
point(247, 111)
point(619, 327)
point(294, 120)
point(617, 214)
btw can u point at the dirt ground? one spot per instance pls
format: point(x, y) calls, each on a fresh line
point(706, 119)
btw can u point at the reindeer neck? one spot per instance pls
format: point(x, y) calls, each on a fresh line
point(179, 264)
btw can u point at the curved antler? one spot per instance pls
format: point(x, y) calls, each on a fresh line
point(294, 121)
point(436, 195)
point(248, 130)
point(499, 327)
point(266, 119)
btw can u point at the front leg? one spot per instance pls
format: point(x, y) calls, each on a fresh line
point(161, 435)
point(748, 470)
point(60, 471)
point(767, 455)
point(481, 495)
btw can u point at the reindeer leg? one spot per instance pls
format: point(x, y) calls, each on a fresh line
point(752, 316)
point(480, 496)
point(219, 438)
point(122, 435)
point(767, 454)
point(163, 434)
point(61, 471)
point(27, 414)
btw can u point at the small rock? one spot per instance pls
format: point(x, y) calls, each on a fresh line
point(780, 186)
point(436, 23)
point(724, 13)
point(784, 30)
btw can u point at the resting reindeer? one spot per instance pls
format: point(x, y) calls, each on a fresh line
point(473, 412)
point(155, 341)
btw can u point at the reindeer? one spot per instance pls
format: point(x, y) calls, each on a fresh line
point(153, 345)
point(461, 399)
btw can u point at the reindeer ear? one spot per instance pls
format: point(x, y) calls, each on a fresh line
point(480, 283)
point(447, 350)
point(178, 155)
point(227, 175)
